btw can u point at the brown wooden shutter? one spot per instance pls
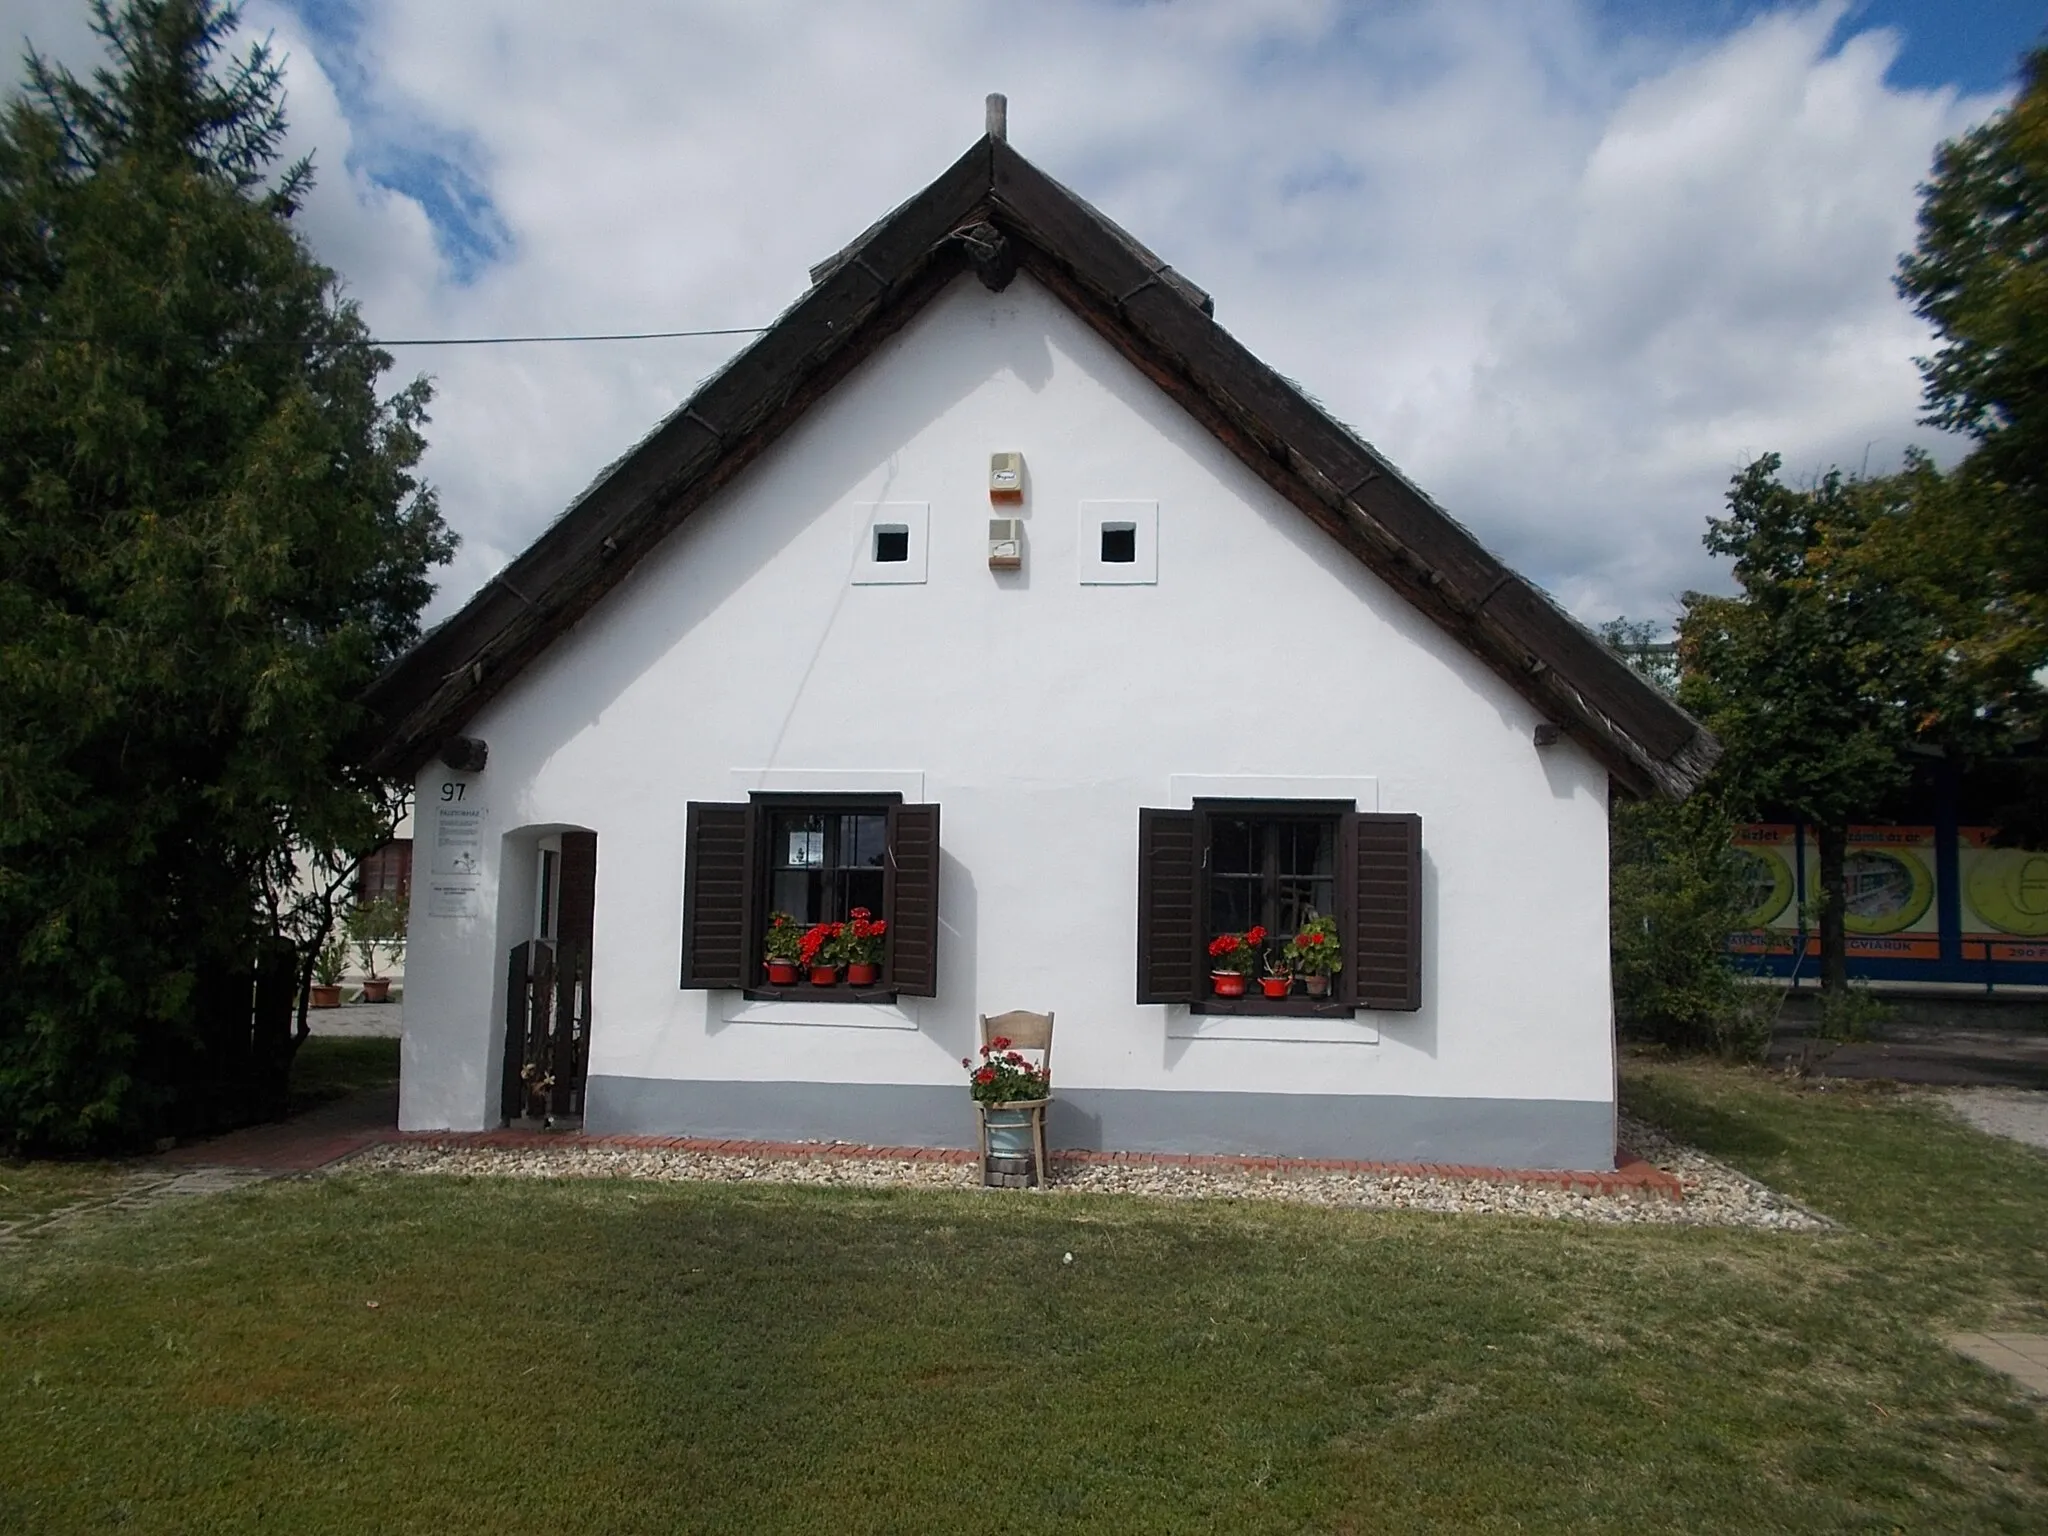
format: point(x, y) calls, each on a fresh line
point(578, 889)
point(910, 900)
point(1166, 906)
point(718, 896)
point(1380, 891)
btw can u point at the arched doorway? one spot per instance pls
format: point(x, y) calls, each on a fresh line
point(547, 979)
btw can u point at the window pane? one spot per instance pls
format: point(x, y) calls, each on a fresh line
point(797, 841)
point(1298, 897)
point(1307, 848)
point(1233, 850)
point(1233, 904)
point(860, 888)
point(863, 840)
point(798, 892)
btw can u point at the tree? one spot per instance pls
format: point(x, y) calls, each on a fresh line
point(211, 539)
point(1977, 276)
point(1824, 673)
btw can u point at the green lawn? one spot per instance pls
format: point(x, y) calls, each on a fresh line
point(594, 1356)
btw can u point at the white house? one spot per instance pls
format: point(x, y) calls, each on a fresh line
point(1229, 667)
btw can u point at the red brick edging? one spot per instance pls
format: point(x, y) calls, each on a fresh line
point(1632, 1177)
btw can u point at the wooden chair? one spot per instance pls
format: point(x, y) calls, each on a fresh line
point(1026, 1032)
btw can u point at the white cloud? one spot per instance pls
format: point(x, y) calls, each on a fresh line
point(1567, 283)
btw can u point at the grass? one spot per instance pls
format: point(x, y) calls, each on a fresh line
point(327, 1067)
point(607, 1356)
point(334, 1066)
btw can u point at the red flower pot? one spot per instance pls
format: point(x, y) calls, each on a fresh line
point(782, 973)
point(1227, 983)
point(1276, 986)
point(862, 975)
point(824, 975)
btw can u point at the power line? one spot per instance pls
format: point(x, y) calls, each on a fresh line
point(423, 341)
point(501, 341)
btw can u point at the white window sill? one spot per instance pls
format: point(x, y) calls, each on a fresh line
point(738, 1010)
point(1184, 1025)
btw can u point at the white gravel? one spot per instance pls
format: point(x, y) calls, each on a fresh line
point(2020, 1113)
point(1715, 1195)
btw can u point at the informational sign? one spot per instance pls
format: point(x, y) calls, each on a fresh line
point(455, 875)
point(2005, 899)
point(453, 898)
point(1890, 876)
point(1893, 880)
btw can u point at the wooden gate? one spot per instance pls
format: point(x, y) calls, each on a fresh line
point(547, 1030)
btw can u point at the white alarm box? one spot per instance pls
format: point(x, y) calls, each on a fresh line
point(1006, 543)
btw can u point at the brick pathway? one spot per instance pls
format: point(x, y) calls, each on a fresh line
point(303, 1143)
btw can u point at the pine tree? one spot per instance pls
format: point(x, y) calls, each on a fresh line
point(211, 538)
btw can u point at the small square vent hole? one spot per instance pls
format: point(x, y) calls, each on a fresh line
point(1119, 543)
point(892, 544)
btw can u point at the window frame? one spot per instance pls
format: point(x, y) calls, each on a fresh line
point(766, 805)
point(1295, 1005)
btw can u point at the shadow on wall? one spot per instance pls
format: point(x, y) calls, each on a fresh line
point(956, 1028)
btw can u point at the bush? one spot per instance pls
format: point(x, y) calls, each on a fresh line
point(1675, 896)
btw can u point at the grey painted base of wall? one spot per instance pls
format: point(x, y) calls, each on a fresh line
point(1500, 1133)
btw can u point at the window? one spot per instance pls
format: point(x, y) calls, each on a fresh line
point(1225, 866)
point(387, 873)
point(816, 857)
point(1270, 871)
point(892, 551)
point(1117, 543)
point(824, 863)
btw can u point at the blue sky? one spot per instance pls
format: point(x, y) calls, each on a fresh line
point(1569, 263)
point(1972, 44)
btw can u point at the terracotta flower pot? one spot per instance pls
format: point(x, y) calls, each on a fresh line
point(1227, 983)
point(782, 973)
point(1318, 986)
point(320, 995)
point(824, 975)
point(862, 975)
point(1275, 986)
point(377, 989)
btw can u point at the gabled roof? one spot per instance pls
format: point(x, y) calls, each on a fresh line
point(993, 213)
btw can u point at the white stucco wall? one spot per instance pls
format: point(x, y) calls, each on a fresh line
point(1040, 713)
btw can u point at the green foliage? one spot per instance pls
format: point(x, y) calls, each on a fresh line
point(1977, 276)
point(211, 538)
point(1827, 670)
point(1675, 896)
point(373, 926)
point(1317, 950)
point(785, 940)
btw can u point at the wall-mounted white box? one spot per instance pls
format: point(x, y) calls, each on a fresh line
point(893, 543)
point(1116, 543)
